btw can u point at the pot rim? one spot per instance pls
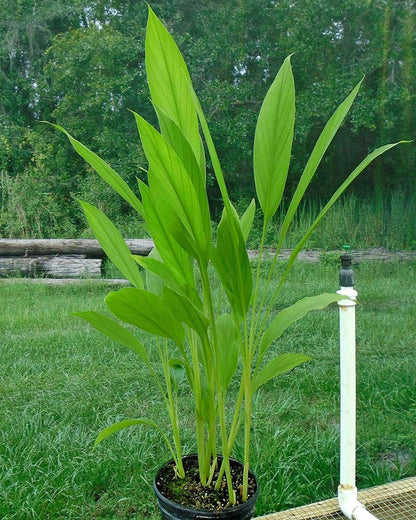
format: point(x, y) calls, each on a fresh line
point(185, 509)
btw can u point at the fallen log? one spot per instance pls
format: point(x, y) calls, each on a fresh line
point(51, 266)
point(56, 246)
point(111, 282)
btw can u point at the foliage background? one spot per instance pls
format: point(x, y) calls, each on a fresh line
point(81, 64)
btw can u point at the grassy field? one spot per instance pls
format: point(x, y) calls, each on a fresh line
point(60, 383)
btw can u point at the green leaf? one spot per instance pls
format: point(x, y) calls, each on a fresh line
point(171, 278)
point(175, 258)
point(246, 221)
point(279, 365)
point(176, 222)
point(165, 273)
point(273, 140)
point(168, 79)
point(126, 423)
point(370, 158)
point(316, 156)
point(229, 342)
point(115, 331)
point(231, 261)
point(146, 311)
point(177, 139)
point(154, 283)
point(113, 244)
point(171, 183)
point(105, 172)
point(287, 316)
point(185, 311)
point(177, 372)
point(211, 148)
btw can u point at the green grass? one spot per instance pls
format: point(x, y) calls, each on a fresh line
point(60, 383)
point(361, 222)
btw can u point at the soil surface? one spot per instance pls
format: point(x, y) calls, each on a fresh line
point(189, 492)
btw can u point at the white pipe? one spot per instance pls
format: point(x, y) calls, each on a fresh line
point(350, 506)
point(347, 490)
point(348, 385)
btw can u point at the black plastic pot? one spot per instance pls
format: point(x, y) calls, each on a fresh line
point(173, 511)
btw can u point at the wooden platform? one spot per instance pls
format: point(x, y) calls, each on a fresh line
point(394, 501)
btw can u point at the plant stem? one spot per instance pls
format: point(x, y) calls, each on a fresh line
point(234, 426)
point(225, 449)
point(212, 369)
point(254, 319)
point(214, 373)
point(246, 379)
point(200, 433)
point(212, 431)
point(173, 412)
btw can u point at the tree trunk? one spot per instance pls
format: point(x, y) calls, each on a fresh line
point(51, 266)
point(409, 90)
point(382, 94)
point(90, 248)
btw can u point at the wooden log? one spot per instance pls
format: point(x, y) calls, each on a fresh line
point(110, 282)
point(56, 246)
point(51, 266)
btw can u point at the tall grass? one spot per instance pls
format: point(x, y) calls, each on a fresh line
point(61, 383)
point(362, 222)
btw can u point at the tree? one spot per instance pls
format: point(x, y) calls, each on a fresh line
point(81, 64)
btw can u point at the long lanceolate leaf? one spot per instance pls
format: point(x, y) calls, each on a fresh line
point(154, 282)
point(168, 79)
point(171, 90)
point(369, 159)
point(105, 172)
point(273, 140)
point(147, 311)
point(228, 348)
point(126, 423)
point(231, 262)
point(275, 367)
point(246, 220)
point(169, 179)
point(177, 139)
point(327, 207)
point(287, 316)
point(176, 259)
point(115, 331)
point(211, 148)
point(113, 244)
point(315, 158)
point(185, 311)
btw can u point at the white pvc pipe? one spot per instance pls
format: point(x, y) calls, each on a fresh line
point(350, 506)
point(347, 491)
point(347, 385)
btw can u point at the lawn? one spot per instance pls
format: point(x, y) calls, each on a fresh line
point(60, 383)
